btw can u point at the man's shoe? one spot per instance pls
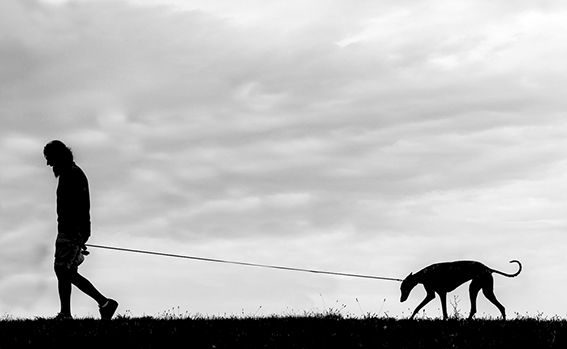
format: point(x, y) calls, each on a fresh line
point(108, 309)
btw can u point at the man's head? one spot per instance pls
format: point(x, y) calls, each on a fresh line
point(57, 155)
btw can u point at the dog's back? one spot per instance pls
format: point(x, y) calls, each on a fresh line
point(447, 276)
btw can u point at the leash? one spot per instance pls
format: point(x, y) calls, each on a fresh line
point(242, 263)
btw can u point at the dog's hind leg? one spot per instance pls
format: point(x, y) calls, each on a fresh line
point(474, 288)
point(488, 290)
point(443, 298)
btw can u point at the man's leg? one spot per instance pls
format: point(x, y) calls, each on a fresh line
point(106, 306)
point(88, 288)
point(64, 288)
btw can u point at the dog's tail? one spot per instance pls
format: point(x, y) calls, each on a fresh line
point(510, 275)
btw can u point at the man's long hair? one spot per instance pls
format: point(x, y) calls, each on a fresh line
point(57, 149)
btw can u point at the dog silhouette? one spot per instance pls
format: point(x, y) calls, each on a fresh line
point(442, 278)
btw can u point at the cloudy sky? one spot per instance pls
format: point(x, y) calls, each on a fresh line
point(370, 137)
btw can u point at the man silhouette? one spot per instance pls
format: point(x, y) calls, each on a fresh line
point(73, 230)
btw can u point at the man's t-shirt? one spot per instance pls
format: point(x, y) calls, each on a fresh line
point(73, 205)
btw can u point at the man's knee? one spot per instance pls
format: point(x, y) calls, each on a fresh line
point(63, 271)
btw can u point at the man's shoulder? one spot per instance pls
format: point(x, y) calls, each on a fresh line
point(76, 173)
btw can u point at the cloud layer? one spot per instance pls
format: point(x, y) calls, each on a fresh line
point(369, 137)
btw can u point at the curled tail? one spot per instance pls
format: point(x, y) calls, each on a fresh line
point(510, 275)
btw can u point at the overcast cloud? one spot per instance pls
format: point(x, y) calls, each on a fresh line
point(362, 136)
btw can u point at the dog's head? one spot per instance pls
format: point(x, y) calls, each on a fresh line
point(407, 285)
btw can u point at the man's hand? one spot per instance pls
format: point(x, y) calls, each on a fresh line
point(84, 250)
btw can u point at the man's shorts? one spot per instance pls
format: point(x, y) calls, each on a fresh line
point(68, 254)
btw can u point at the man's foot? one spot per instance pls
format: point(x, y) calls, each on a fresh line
point(62, 316)
point(108, 309)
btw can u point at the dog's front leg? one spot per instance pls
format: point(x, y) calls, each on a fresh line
point(428, 298)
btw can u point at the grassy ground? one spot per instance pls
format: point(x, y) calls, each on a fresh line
point(309, 331)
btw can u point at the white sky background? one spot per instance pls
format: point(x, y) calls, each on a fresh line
point(371, 137)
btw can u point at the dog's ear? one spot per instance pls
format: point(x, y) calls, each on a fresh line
point(407, 278)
